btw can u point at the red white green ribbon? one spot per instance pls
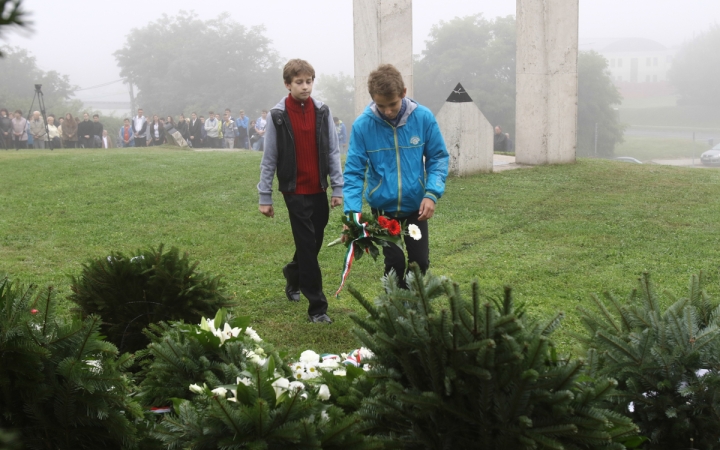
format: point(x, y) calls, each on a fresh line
point(350, 255)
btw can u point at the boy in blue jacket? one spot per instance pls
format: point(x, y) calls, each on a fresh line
point(396, 147)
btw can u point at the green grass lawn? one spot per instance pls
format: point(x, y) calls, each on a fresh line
point(647, 148)
point(554, 233)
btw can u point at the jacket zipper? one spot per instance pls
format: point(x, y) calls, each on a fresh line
point(397, 156)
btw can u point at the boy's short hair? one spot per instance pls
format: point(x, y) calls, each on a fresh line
point(296, 67)
point(211, 112)
point(264, 111)
point(95, 115)
point(386, 80)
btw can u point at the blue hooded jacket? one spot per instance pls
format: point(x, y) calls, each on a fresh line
point(402, 165)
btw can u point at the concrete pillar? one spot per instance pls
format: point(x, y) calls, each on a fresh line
point(383, 35)
point(468, 135)
point(546, 105)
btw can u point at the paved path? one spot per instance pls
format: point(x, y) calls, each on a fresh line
point(683, 162)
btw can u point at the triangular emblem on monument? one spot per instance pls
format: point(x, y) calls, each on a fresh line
point(459, 95)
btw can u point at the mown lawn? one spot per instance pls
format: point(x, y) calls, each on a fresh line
point(648, 148)
point(556, 234)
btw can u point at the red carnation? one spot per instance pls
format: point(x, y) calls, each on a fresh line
point(384, 222)
point(394, 228)
point(33, 311)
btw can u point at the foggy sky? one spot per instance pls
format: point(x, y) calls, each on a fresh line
point(317, 30)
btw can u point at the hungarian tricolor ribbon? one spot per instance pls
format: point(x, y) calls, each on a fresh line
point(350, 255)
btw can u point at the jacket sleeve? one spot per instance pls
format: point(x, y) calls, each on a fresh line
point(355, 166)
point(436, 161)
point(336, 175)
point(268, 164)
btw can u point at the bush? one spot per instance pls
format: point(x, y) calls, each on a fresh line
point(9, 441)
point(61, 385)
point(229, 390)
point(180, 354)
point(466, 374)
point(131, 292)
point(665, 360)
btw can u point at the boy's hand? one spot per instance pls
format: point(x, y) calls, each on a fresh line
point(336, 201)
point(427, 209)
point(267, 210)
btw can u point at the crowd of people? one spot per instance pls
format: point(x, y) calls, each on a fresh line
point(215, 131)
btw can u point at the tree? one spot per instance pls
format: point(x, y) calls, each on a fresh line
point(183, 64)
point(338, 91)
point(694, 72)
point(478, 53)
point(11, 14)
point(596, 96)
point(20, 73)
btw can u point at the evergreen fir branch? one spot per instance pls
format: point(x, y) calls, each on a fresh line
point(627, 319)
point(363, 302)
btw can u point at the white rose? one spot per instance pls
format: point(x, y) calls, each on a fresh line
point(329, 364)
point(280, 385)
point(340, 373)
point(245, 380)
point(196, 389)
point(309, 357)
point(324, 392)
point(220, 391)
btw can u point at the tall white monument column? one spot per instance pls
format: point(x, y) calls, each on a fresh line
point(546, 105)
point(383, 35)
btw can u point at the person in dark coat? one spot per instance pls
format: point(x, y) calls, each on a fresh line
point(500, 143)
point(97, 132)
point(85, 132)
point(183, 128)
point(195, 131)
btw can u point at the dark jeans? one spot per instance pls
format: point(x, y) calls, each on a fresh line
point(308, 217)
point(417, 251)
point(6, 141)
point(140, 141)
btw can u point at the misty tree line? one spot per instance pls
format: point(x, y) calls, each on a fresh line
point(182, 64)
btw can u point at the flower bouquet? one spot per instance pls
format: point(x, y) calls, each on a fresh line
point(363, 232)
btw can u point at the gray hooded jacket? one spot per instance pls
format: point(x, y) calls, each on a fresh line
point(271, 156)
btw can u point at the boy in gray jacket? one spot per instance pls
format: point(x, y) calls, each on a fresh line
point(301, 146)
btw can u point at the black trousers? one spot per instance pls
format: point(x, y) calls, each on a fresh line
point(309, 216)
point(85, 142)
point(140, 141)
point(417, 251)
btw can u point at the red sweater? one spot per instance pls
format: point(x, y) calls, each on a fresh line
point(302, 121)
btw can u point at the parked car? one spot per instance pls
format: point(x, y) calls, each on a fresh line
point(711, 156)
point(628, 159)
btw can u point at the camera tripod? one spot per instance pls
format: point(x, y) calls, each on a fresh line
point(41, 104)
